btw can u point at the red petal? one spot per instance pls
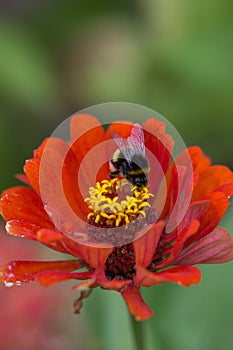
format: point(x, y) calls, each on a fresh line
point(32, 167)
point(98, 277)
point(158, 142)
point(195, 211)
point(178, 246)
point(215, 248)
point(182, 275)
point(136, 305)
point(88, 135)
point(168, 192)
point(212, 179)
point(59, 184)
point(47, 278)
point(47, 236)
point(159, 147)
point(22, 203)
point(181, 193)
point(23, 178)
point(83, 124)
point(94, 256)
point(179, 184)
point(71, 186)
point(181, 178)
point(73, 247)
point(25, 271)
point(23, 228)
point(115, 284)
point(122, 128)
point(199, 160)
point(226, 189)
point(210, 219)
point(145, 246)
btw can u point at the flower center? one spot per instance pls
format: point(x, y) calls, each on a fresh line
point(121, 262)
point(118, 211)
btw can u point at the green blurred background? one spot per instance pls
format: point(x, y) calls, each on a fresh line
point(57, 57)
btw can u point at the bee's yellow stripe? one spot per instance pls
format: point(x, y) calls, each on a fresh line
point(139, 171)
point(115, 155)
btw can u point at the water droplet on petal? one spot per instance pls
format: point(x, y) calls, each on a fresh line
point(8, 284)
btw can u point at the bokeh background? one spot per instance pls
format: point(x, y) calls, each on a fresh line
point(57, 57)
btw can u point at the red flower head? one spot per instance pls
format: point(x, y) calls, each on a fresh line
point(122, 234)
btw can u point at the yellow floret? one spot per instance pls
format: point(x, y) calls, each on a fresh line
point(107, 209)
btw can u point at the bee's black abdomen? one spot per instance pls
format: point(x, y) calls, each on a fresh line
point(135, 172)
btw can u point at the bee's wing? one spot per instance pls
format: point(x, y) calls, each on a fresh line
point(123, 146)
point(136, 141)
point(134, 144)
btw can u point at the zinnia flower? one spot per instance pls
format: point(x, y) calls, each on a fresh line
point(121, 237)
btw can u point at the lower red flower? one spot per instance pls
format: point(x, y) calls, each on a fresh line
point(122, 237)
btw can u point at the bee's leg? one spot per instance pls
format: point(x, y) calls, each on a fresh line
point(124, 169)
point(114, 173)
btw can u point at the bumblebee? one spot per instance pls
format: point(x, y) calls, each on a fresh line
point(129, 160)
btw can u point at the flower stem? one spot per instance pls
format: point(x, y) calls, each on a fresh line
point(137, 333)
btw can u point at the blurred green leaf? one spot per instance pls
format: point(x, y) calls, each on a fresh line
point(27, 75)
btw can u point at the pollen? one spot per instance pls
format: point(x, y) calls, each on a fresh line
point(116, 204)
